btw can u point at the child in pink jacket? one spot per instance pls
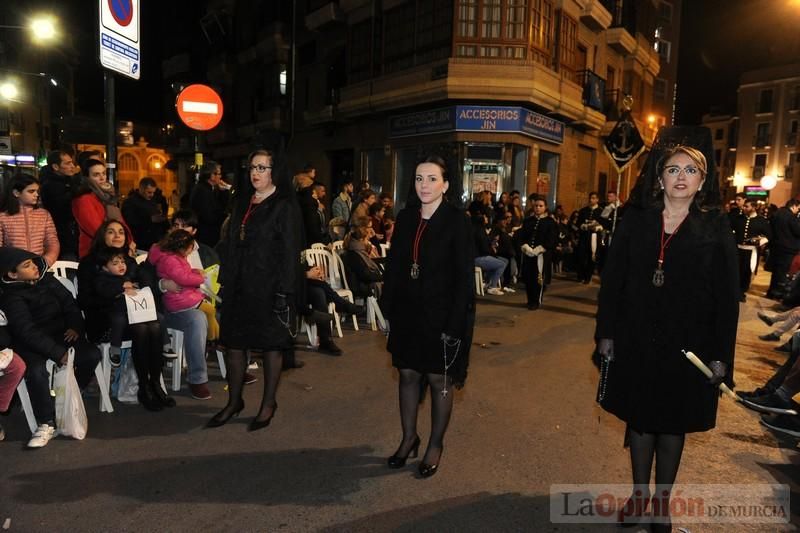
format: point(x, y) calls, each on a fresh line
point(170, 259)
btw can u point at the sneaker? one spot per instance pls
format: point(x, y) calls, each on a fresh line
point(200, 391)
point(770, 403)
point(494, 291)
point(169, 353)
point(509, 289)
point(249, 378)
point(329, 347)
point(765, 318)
point(786, 424)
point(42, 436)
point(114, 357)
point(769, 337)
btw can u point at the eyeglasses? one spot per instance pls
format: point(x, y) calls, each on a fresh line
point(675, 170)
point(260, 168)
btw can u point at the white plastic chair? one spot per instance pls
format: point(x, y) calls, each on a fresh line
point(385, 249)
point(221, 360)
point(333, 270)
point(70, 286)
point(337, 246)
point(479, 281)
point(60, 268)
point(318, 246)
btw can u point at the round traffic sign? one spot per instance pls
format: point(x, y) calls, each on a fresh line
point(121, 10)
point(199, 107)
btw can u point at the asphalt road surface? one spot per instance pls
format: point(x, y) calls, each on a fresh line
point(525, 420)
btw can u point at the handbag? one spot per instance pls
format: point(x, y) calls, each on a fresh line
point(126, 383)
point(71, 419)
point(141, 307)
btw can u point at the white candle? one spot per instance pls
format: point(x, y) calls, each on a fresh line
point(708, 373)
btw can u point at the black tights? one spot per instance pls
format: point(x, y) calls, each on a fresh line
point(667, 449)
point(148, 346)
point(236, 364)
point(441, 408)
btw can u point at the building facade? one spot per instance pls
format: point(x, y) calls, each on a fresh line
point(768, 104)
point(725, 135)
point(515, 94)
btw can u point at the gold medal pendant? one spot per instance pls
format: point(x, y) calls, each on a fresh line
point(414, 271)
point(658, 275)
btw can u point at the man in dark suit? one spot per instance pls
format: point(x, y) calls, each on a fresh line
point(785, 244)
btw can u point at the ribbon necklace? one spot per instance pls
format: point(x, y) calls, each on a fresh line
point(423, 224)
point(247, 216)
point(658, 273)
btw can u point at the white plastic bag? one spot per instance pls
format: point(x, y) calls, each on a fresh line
point(142, 307)
point(128, 385)
point(71, 418)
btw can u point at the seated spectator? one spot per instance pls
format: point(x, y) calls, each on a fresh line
point(788, 320)
point(337, 228)
point(96, 202)
point(388, 228)
point(193, 322)
point(365, 199)
point(376, 212)
point(366, 277)
point(118, 276)
point(12, 369)
point(44, 321)
point(24, 224)
point(485, 254)
point(319, 294)
point(365, 223)
point(388, 205)
point(144, 215)
point(502, 238)
point(170, 258)
point(106, 317)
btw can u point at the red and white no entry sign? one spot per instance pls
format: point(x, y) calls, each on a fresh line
point(199, 107)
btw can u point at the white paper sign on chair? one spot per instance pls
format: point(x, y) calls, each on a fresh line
point(141, 307)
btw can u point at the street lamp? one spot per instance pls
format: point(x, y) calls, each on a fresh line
point(8, 91)
point(42, 28)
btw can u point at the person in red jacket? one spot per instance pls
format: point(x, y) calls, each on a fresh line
point(95, 203)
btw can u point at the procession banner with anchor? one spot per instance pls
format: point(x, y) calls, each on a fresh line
point(623, 146)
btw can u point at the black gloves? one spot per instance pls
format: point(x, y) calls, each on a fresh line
point(719, 371)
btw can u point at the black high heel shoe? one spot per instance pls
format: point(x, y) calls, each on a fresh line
point(257, 424)
point(221, 419)
point(426, 470)
point(395, 461)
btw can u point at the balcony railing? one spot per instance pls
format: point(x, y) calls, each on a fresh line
point(594, 89)
point(761, 141)
point(758, 172)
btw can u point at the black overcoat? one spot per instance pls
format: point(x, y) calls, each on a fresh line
point(441, 300)
point(254, 270)
point(651, 384)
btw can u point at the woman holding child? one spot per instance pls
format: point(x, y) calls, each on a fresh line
point(105, 276)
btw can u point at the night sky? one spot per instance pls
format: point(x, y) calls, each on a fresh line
point(720, 39)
